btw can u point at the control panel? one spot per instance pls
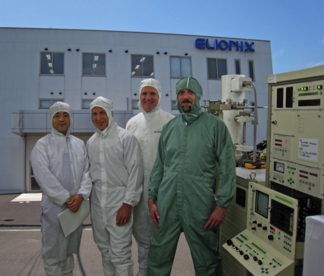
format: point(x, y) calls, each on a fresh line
point(268, 244)
point(257, 257)
point(296, 152)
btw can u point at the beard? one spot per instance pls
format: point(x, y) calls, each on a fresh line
point(186, 109)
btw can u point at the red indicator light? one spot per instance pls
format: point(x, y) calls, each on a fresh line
point(303, 172)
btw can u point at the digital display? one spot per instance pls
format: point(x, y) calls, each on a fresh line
point(261, 204)
point(313, 102)
point(279, 167)
point(282, 217)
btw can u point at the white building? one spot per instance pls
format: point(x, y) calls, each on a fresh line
point(40, 66)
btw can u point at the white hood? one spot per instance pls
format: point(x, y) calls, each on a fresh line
point(107, 105)
point(152, 83)
point(60, 107)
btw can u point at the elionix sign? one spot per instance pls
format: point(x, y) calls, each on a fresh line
point(242, 46)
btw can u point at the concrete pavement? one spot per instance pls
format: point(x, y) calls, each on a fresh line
point(20, 240)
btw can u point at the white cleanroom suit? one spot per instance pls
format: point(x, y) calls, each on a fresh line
point(147, 127)
point(116, 169)
point(61, 168)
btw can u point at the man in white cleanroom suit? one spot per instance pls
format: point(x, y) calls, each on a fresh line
point(147, 127)
point(116, 169)
point(61, 169)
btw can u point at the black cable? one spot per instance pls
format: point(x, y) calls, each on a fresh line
point(80, 260)
point(81, 265)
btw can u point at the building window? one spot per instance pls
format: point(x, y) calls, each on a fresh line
point(251, 70)
point(94, 64)
point(142, 66)
point(52, 63)
point(216, 68)
point(237, 67)
point(86, 104)
point(47, 103)
point(174, 105)
point(135, 104)
point(180, 67)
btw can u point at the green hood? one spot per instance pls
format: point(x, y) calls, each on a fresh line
point(193, 85)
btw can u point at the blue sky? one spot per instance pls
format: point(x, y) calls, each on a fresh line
point(295, 28)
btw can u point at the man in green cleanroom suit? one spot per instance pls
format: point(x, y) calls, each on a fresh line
point(194, 149)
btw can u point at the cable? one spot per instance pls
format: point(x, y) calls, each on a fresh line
point(83, 272)
point(81, 265)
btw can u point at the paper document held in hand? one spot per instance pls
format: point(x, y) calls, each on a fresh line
point(71, 221)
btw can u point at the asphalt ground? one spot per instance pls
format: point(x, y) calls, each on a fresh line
point(20, 244)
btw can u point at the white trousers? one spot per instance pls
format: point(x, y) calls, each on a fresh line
point(61, 268)
point(143, 231)
point(114, 242)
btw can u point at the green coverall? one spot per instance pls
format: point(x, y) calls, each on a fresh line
point(193, 147)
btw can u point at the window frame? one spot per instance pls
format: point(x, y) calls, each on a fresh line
point(174, 105)
point(94, 68)
point(143, 67)
point(135, 104)
point(237, 65)
point(51, 102)
point(217, 67)
point(42, 63)
point(181, 73)
point(251, 69)
point(83, 106)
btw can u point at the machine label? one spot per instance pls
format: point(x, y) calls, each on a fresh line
point(308, 149)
